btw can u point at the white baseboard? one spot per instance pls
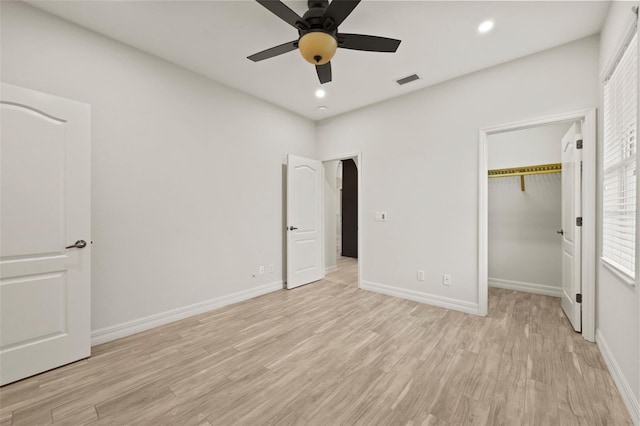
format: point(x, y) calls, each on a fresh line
point(418, 296)
point(330, 269)
point(547, 290)
point(108, 334)
point(618, 378)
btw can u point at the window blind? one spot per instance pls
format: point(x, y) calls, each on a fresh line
point(619, 162)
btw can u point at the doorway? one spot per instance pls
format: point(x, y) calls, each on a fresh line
point(342, 217)
point(531, 239)
point(581, 213)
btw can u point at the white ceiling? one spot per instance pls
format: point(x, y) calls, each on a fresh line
point(439, 42)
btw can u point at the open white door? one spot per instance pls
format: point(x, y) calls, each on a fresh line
point(45, 206)
point(305, 222)
point(572, 227)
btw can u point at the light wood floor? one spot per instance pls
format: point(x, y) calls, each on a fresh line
point(328, 354)
point(347, 272)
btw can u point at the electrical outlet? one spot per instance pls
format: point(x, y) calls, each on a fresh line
point(261, 270)
point(271, 268)
point(420, 275)
point(446, 279)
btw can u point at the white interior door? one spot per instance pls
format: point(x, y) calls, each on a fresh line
point(44, 207)
point(571, 239)
point(305, 229)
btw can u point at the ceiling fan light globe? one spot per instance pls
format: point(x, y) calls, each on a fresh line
point(317, 47)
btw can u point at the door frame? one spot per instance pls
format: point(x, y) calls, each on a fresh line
point(358, 157)
point(588, 267)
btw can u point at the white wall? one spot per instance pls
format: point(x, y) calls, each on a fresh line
point(618, 308)
point(186, 173)
point(524, 249)
point(539, 145)
point(421, 152)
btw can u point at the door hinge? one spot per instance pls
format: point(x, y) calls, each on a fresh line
point(578, 221)
point(579, 144)
point(579, 298)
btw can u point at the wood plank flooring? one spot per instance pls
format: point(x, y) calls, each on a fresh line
point(330, 354)
point(347, 272)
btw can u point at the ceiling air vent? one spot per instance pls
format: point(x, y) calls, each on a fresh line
point(408, 79)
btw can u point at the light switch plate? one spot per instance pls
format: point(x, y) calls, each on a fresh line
point(381, 216)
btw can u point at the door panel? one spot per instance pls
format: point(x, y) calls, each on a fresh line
point(305, 198)
point(21, 324)
point(44, 207)
point(32, 182)
point(571, 241)
point(305, 206)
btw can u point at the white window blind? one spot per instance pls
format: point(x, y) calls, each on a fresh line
point(619, 163)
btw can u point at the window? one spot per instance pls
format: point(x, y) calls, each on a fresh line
point(619, 163)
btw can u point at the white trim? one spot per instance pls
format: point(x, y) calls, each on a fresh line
point(330, 269)
point(346, 156)
point(613, 60)
point(483, 224)
point(589, 257)
point(540, 121)
point(590, 225)
point(419, 296)
point(358, 157)
point(638, 227)
point(544, 289)
point(630, 401)
point(618, 272)
point(128, 328)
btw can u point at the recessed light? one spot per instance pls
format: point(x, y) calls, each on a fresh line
point(485, 27)
point(322, 108)
point(320, 93)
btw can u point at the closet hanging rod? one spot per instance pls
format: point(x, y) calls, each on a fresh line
point(540, 169)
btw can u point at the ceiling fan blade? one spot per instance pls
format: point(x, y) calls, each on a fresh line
point(324, 72)
point(282, 11)
point(274, 51)
point(338, 10)
point(367, 42)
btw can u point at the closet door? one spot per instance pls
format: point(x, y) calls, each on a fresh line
point(571, 239)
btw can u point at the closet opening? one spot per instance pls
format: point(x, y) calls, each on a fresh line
point(528, 248)
point(537, 219)
point(342, 236)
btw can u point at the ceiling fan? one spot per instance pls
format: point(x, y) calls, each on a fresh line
point(318, 34)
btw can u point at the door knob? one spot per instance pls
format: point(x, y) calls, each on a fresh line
point(292, 228)
point(561, 232)
point(78, 244)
